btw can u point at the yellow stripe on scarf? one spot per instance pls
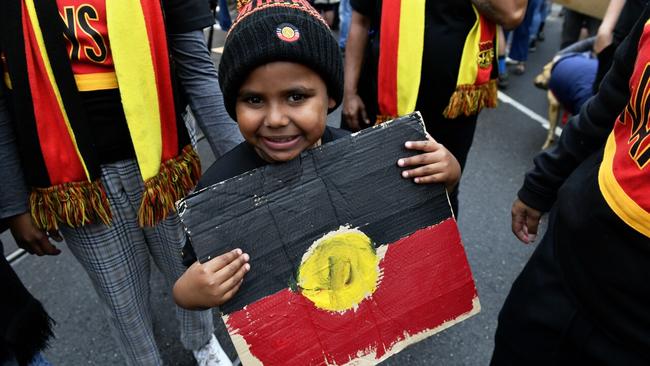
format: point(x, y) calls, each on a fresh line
point(33, 17)
point(468, 66)
point(618, 200)
point(137, 80)
point(409, 56)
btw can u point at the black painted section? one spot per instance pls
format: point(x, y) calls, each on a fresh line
point(276, 212)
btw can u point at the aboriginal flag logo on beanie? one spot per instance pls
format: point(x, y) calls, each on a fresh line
point(287, 32)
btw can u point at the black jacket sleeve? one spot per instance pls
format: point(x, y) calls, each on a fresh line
point(585, 133)
point(182, 16)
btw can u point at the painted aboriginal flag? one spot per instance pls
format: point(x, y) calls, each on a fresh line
point(350, 263)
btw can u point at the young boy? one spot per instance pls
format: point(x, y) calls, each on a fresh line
point(281, 73)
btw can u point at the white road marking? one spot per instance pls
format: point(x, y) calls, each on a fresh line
point(527, 111)
point(16, 256)
point(217, 50)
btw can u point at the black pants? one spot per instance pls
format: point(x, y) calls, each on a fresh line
point(540, 323)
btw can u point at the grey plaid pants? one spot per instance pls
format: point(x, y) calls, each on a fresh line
point(116, 258)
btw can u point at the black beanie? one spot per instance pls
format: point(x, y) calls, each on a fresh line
point(278, 30)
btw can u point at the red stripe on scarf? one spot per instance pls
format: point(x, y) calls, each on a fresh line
point(59, 152)
point(160, 55)
point(488, 34)
point(388, 48)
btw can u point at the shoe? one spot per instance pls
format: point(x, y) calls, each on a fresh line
point(532, 47)
point(541, 36)
point(519, 68)
point(503, 81)
point(211, 354)
point(510, 61)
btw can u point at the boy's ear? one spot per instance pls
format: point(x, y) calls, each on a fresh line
point(331, 103)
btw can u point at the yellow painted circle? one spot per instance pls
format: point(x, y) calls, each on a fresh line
point(288, 32)
point(339, 270)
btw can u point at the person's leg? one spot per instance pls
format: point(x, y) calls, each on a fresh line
point(165, 242)
point(457, 136)
point(537, 313)
point(535, 24)
point(224, 16)
point(117, 261)
point(521, 38)
point(571, 27)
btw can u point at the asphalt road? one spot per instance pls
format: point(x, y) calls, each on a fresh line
point(506, 140)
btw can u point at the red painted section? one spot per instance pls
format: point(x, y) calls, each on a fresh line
point(61, 158)
point(426, 282)
point(160, 55)
point(389, 46)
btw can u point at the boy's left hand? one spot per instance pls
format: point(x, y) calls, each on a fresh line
point(434, 165)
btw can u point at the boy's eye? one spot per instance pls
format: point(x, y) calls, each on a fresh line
point(296, 97)
point(253, 99)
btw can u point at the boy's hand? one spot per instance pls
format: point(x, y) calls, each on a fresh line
point(212, 283)
point(31, 238)
point(436, 164)
point(525, 221)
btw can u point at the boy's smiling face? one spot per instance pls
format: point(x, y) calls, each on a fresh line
point(282, 109)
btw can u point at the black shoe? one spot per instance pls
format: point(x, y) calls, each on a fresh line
point(503, 82)
point(532, 47)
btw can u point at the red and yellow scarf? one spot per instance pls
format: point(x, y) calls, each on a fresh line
point(400, 63)
point(624, 174)
point(73, 193)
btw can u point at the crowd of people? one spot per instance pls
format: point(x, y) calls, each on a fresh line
point(95, 150)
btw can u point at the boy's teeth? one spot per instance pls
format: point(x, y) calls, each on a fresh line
point(281, 139)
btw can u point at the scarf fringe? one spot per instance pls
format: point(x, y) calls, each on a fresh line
point(381, 118)
point(176, 178)
point(74, 204)
point(80, 203)
point(468, 100)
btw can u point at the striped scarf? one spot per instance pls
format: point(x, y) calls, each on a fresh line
point(52, 126)
point(401, 47)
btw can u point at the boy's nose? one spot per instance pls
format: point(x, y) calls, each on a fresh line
point(276, 117)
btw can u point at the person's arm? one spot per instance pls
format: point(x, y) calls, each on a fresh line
point(14, 209)
point(585, 134)
point(507, 13)
point(198, 77)
point(605, 33)
point(354, 111)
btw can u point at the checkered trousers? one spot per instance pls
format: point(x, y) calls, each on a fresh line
point(117, 259)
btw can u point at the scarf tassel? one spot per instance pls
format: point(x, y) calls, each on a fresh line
point(468, 100)
point(177, 177)
point(74, 204)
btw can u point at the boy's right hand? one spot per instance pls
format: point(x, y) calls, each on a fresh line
point(212, 283)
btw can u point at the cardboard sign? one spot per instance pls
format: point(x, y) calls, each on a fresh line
point(594, 8)
point(350, 262)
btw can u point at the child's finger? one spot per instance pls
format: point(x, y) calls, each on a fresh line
point(217, 263)
point(424, 145)
point(424, 170)
point(236, 278)
point(435, 178)
point(228, 295)
point(232, 267)
point(421, 159)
